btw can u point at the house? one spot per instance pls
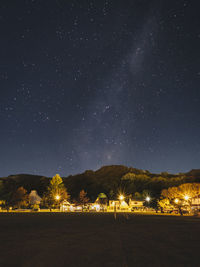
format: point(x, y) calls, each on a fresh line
point(66, 206)
point(101, 202)
point(195, 202)
point(136, 204)
point(117, 205)
point(195, 205)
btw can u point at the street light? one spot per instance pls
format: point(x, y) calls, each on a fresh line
point(121, 197)
point(176, 200)
point(148, 199)
point(57, 197)
point(186, 197)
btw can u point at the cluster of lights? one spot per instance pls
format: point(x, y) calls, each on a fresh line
point(186, 197)
point(121, 198)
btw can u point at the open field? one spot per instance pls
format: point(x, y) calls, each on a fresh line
point(96, 239)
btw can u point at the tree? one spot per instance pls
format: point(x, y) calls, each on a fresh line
point(191, 190)
point(138, 196)
point(182, 195)
point(56, 192)
point(20, 198)
point(83, 199)
point(1, 189)
point(2, 197)
point(135, 182)
point(129, 176)
point(157, 184)
point(111, 194)
point(164, 174)
point(165, 205)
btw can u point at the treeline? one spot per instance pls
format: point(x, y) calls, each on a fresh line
point(55, 194)
point(109, 179)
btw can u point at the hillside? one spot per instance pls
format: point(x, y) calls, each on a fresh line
point(107, 179)
point(28, 181)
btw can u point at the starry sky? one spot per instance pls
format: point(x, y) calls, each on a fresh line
point(98, 82)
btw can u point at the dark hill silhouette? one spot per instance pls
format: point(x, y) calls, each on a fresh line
point(194, 173)
point(107, 179)
point(28, 181)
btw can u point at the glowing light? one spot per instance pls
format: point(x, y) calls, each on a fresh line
point(121, 197)
point(71, 208)
point(186, 197)
point(176, 200)
point(57, 197)
point(123, 204)
point(148, 199)
point(97, 206)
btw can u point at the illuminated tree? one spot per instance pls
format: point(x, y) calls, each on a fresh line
point(83, 199)
point(56, 192)
point(190, 190)
point(165, 204)
point(182, 195)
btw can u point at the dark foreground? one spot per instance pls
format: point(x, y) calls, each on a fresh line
point(58, 239)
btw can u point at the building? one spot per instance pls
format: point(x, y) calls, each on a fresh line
point(66, 206)
point(117, 205)
point(136, 204)
point(101, 203)
point(195, 205)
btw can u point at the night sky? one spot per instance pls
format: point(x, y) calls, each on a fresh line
point(90, 83)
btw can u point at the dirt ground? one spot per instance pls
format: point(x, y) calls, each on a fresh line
point(97, 239)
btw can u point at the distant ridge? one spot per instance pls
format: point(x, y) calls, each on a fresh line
point(193, 173)
point(107, 179)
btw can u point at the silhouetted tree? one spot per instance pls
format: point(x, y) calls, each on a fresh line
point(20, 198)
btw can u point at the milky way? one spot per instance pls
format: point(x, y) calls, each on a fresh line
point(90, 83)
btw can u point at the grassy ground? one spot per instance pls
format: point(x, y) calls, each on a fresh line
point(95, 239)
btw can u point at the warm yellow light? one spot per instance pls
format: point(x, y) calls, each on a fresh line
point(186, 197)
point(147, 199)
point(123, 204)
point(57, 197)
point(71, 208)
point(121, 197)
point(97, 206)
point(176, 200)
